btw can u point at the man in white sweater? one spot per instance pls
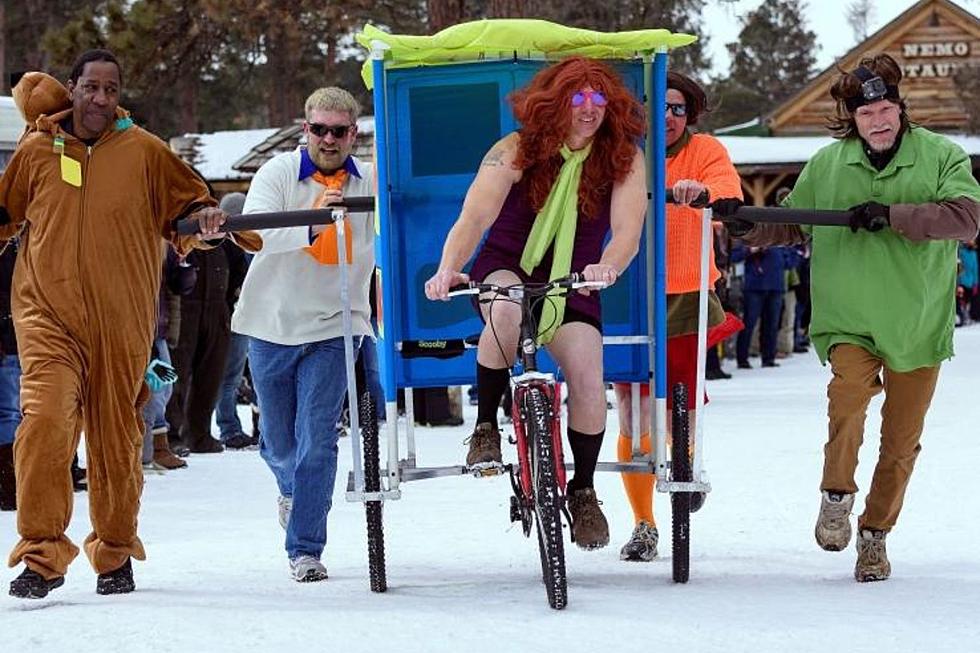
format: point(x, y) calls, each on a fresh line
point(290, 309)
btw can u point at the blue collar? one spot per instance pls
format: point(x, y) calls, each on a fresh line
point(307, 167)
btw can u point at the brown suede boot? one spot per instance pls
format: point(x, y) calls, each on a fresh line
point(162, 454)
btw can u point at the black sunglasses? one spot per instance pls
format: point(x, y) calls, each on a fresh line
point(320, 130)
point(679, 110)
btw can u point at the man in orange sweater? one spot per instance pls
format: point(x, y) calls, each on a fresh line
point(695, 163)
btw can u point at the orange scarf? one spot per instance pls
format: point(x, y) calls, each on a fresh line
point(324, 247)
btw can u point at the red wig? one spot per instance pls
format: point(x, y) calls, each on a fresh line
point(544, 109)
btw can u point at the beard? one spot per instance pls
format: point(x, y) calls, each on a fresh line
point(327, 162)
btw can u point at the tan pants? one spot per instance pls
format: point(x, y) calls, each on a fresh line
point(55, 395)
point(907, 397)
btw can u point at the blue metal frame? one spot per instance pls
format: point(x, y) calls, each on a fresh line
point(658, 184)
point(382, 252)
point(389, 328)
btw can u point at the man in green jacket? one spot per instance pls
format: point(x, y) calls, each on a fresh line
point(882, 291)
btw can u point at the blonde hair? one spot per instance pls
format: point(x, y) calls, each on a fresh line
point(332, 98)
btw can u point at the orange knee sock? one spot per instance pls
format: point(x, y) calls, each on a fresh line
point(639, 487)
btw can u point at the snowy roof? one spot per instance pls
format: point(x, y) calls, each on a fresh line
point(214, 154)
point(760, 150)
point(11, 122)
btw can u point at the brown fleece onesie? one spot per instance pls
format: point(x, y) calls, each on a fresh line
point(84, 306)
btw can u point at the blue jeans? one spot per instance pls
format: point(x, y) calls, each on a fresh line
point(767, 305)
point(155, 410)
point(301, 390)
point(226, 412)
point(369, 357)
point(9, 397)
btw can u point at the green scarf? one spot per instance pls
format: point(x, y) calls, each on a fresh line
point(556, 222)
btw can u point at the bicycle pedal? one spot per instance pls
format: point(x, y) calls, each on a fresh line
point(486, 469)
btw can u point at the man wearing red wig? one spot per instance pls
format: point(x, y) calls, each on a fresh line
point(549, 194)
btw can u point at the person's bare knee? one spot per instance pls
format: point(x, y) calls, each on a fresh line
point(502, 318)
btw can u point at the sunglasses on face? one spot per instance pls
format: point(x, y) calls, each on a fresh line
point(679, 110)
point(598, 99)
point(319, 130)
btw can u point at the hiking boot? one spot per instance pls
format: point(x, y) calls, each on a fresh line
point(285, 509)
point(162, 455)
point(117, 581)
point(307, 569)
point(833, 530)
point(8, 483)
point(153, 467)
point(642, 545)
point(79, 477)
point(238, 441)
point(697, 500)
point(207, 445)
point(872, 562)
point(484, 445)
point(32, 585)
point(590, 530)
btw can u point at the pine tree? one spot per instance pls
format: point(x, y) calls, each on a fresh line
point(774, 55)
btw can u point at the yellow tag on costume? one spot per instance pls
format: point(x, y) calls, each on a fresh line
point(71, 171)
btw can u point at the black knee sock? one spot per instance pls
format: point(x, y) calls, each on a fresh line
point(585, 453)
point(490, 387)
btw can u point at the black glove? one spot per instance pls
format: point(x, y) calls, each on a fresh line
point(870, 215)
point(727, 207)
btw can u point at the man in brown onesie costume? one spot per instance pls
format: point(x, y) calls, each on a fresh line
point(91, 195)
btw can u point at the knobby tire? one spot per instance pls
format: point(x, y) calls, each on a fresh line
point(680, 471)
point(368, 414)
point(547, 499)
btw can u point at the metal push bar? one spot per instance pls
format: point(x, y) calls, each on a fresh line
point(282, 219)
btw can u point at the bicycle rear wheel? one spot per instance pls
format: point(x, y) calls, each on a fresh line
point(680, 471)
point(547, 498)
point(368, 421)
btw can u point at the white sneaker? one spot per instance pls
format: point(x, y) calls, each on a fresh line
point(642, 545)
point(833, 529)
point(307, 569)
point(285, 509)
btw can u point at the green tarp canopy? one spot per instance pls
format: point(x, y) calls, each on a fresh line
point(509, 37)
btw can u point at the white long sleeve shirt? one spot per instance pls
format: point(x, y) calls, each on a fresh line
point(288, 297)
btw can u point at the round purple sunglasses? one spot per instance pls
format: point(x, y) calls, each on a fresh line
point(598, 99)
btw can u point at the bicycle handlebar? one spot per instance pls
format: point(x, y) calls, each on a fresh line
point(280, 219)
point(573, 281)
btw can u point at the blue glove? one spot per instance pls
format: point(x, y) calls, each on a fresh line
point(159, 374)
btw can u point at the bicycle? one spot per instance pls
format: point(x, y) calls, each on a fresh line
point(539, 481)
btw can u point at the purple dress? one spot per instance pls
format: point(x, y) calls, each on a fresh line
point(505, 242)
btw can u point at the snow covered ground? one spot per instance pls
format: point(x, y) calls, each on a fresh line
point(461, 577)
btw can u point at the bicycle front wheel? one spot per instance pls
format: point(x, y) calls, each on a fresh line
point(547, 498)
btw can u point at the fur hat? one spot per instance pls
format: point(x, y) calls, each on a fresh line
point(39, 94)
